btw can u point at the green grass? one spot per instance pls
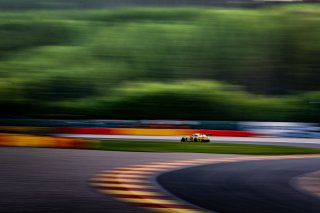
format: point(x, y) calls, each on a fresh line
point(146, 146)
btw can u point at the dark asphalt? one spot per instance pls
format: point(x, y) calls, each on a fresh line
point(42, 180)
point(245, 187)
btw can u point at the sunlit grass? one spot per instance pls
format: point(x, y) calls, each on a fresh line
point(219, 148)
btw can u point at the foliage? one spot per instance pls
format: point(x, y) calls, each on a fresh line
point(81, 63)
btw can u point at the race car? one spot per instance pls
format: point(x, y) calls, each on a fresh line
point(197, 137)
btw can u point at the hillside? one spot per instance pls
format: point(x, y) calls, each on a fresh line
point(96, 63)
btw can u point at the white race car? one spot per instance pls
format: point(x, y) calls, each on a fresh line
point(197, 137)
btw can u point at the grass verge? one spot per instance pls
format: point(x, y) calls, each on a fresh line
point(144, 146)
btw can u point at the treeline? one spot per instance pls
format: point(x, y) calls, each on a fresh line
point(189, 100)
point(71, 63)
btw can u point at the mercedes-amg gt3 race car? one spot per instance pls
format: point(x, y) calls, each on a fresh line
point(197, 137)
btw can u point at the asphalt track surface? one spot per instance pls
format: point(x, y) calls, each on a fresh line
point(299, 142)
point(245, 187)
point(38, 180)
point(56, 180)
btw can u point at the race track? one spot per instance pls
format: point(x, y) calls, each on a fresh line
point(37, 180)
point(246, 187)
point(57, 180)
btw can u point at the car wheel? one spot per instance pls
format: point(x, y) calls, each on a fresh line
point(183, 140)
point(195, 140)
